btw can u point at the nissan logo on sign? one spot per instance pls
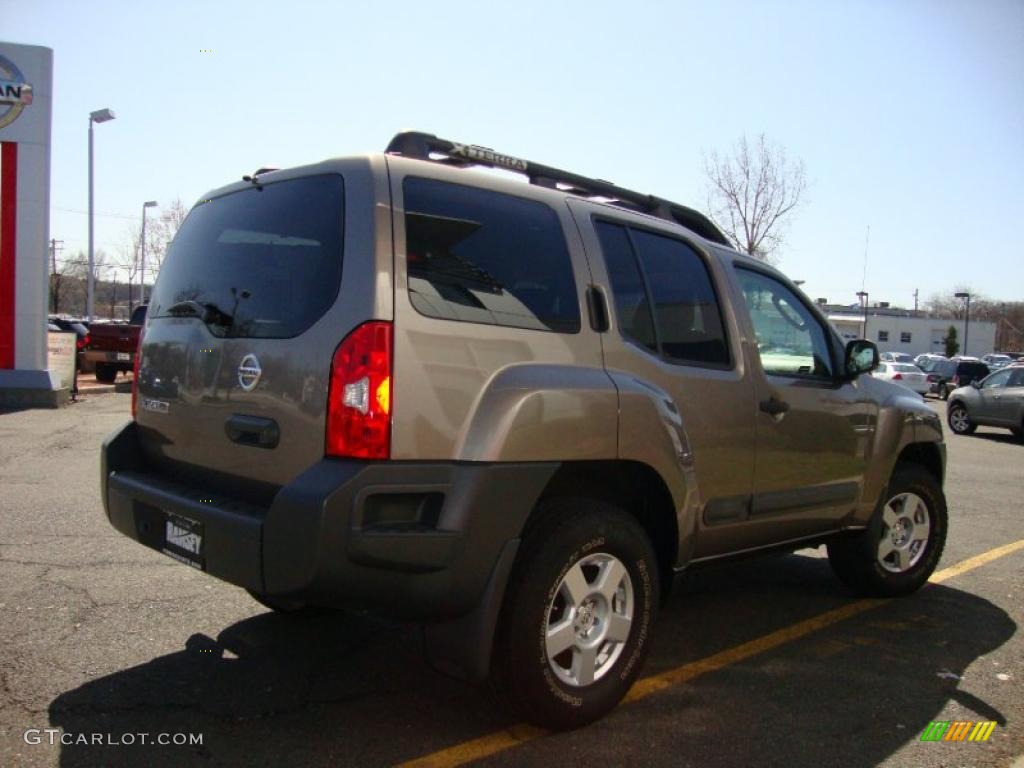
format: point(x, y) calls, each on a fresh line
point(249, 373)
point(15, 93)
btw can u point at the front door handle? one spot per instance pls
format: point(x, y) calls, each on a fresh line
point(774, 407)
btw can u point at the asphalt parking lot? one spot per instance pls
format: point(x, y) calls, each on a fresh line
point(765, 662)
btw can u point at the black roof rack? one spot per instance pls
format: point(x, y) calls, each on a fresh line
point(425, 146)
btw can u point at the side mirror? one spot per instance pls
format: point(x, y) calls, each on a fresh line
point(976, 383)
point(861, 357)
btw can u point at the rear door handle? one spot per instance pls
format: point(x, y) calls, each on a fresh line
point(774, 407)
point(253, 430)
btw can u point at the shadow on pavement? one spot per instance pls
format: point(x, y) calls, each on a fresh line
point(351, 689)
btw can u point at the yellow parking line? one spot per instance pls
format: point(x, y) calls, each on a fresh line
point(499, 741)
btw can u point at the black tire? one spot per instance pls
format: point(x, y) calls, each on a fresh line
point(959, 419)
point(944, 392)
point(592, 539)
point(856, 559)
point(1018, 432)
point(106, 373)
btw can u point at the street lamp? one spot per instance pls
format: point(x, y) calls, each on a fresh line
point(863, 296)
point(99, 116)
point(967, 320)
point(142, 288)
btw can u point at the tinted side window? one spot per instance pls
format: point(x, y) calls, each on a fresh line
point(485, 257)
point(790, 340)
point(685, 307)
point(632, 306)
point(997, 380)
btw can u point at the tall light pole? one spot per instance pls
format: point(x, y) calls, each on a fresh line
point(99, 116)
point(142, 280)
point(863, 296)
point(967, 320)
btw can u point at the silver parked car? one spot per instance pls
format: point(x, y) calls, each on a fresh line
point(996, 361)
point(996, 401)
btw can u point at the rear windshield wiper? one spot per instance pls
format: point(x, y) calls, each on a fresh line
point(208, 313)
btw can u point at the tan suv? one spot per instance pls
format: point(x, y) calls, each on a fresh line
point(511, 411)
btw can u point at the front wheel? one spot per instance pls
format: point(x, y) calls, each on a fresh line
point(578, 614)
point(902, 545)
point(959, 420)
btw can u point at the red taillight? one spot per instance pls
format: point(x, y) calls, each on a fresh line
point(84, 342)
point(897, 377)
point(359, 398)
point(135, 370)
point(932, 377)
point(955, 380)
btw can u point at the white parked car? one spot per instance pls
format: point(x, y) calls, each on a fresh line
point(905, 374)
point(895, 357)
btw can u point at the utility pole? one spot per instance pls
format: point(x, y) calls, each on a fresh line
point(915, 301)
point(55, 245)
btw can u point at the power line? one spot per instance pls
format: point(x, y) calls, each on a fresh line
point(106, 214)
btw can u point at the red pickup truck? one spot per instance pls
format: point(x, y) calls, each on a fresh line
point(112, 346)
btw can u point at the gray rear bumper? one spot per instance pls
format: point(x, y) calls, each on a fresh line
point(425, 541)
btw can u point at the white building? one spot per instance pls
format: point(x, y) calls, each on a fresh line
point(901, 330)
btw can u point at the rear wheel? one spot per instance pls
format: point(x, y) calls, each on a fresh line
point(106, 373)
point(959, 420)
point(277, 605)
point(944, 392)
point(578, 614)
point(902, 545)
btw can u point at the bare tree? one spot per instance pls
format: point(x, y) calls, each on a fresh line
point(947, 305)
point(162, 232)
point(127, 259)
point(751, 194)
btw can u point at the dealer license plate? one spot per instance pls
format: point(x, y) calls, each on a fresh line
point(183, 540)
point(123, 357)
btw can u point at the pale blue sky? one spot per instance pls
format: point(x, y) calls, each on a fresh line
point(909, 115)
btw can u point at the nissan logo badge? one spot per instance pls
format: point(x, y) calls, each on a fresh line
point(249, 373)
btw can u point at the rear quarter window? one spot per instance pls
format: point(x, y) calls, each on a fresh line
point(479, 256)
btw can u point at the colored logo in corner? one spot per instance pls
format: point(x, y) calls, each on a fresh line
point(958, 730)
point(15, 93)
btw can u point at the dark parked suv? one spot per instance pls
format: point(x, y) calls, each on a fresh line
point(511, 411)
point(947, 375)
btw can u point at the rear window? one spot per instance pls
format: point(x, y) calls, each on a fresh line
point(265, 262)
point(485, 257)
point(904, 368)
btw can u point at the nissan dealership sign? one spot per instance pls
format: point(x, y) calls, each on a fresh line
point(15, 92)
point(26, 106)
